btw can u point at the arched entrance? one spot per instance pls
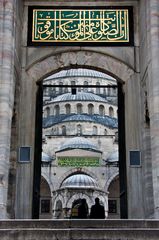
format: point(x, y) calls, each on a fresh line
point(88, 59)
point(124, 211)
point(45, 200)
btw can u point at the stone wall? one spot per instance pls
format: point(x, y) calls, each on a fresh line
point(149, 60)
point(11, 23)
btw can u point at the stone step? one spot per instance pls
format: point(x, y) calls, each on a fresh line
point(79, 234)
point(81, 223)
point(79, 230)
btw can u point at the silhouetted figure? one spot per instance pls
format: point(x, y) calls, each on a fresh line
point(83, 209)
point(97, 210)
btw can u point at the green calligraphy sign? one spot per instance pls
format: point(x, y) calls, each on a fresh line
point(80, 25)
point(78, 161)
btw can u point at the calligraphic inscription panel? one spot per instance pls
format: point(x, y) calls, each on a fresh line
point(80, 25)
point(78, 161)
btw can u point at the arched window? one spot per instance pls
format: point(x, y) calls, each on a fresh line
point(109, 92)
point(52, 131)
point(66, 89)
point(53, 91)
point(57, 131)
point(47, 112)
point(73, 83)
point(111, 112)
point(61, 88)
point(85, 88)
point(57, 110)
point(114, 91)
point(98, 88)
point(68, 108)
point(79, 130)
point(101, 110)
point(90, 109)
point(79, 108)
point(95, 132)
point(79, 89)
point(64, 130)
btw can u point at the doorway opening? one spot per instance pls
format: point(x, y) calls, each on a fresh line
point(80, 151)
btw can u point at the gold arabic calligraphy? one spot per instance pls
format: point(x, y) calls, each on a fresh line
point(80, 25)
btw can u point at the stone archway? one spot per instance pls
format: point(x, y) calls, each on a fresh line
point(45, 199)
point(89, 60)
point(83, 59)
point(110, 180)
point(39, 69)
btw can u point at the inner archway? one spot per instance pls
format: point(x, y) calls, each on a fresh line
point(49, 91)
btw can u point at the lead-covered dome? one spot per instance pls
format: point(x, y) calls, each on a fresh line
point(107, 121)
point(79, 143)
point(80, 96)
point(79, 181)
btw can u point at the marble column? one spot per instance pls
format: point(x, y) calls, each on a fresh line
point(6, 94)
point(153, 71)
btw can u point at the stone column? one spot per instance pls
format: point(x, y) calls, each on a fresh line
point(153, 71)
point(6, 94)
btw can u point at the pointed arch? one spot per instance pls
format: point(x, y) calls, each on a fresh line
point(42, 68)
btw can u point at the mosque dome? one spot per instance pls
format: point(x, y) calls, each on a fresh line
point(80, 96)
point(79, 143)
point(103, 120)
point(80, 72)
point(79, 181)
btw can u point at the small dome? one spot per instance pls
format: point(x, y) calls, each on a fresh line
point(46, 157)
point(79, 181)
point(79, 143)
point(114, 157)
point(80, 72)
point(80, 96)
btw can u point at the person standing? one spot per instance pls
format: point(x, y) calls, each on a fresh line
point(97, 210)
point(83, 209)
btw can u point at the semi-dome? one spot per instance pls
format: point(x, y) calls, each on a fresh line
point(80, 72)
point(79, 181)
point(107, 121)
point(80, 96)
point(79, 143)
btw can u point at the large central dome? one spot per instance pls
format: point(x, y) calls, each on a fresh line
point(79, 143)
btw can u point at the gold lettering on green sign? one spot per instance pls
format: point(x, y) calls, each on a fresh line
point(78, 161)
point(110, 25)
